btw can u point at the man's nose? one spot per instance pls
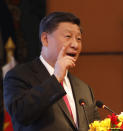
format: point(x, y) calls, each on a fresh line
point(74, 44)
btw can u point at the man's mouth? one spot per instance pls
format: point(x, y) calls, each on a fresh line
point(71, 54)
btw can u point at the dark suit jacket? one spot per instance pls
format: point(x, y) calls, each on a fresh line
point(34, 100)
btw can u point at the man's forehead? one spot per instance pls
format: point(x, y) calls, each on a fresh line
point(69, 27)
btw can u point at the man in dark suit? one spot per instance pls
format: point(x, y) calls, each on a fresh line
point(42, 95)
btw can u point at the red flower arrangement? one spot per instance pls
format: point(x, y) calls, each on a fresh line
point(112, 123)
point(115, 122)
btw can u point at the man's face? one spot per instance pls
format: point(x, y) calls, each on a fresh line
point(66, 34)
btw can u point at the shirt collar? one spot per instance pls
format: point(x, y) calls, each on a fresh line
point(49, 67)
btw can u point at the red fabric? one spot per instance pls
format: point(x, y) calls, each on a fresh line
point(7, 122)
point(67, 103)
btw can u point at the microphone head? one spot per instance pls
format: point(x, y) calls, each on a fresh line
point(82, 102)
point(99, 104)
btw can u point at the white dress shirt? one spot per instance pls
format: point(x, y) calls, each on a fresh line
point(67, 88)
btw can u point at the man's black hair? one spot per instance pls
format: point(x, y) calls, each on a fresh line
point(49, 23)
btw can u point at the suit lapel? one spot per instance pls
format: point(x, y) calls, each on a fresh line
point(65, 111)
point(78, 94)
point(76, 98)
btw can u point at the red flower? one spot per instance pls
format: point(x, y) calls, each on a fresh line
point(114, 119)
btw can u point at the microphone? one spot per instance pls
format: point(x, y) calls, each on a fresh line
point(101, 105)
point(82, 103)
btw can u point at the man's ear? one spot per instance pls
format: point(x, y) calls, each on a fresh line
point(44, 39)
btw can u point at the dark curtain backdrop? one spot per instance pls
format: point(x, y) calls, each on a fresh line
point(32, 12)
point(6, 26)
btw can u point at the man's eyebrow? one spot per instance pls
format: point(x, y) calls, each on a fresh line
point(67, 30)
